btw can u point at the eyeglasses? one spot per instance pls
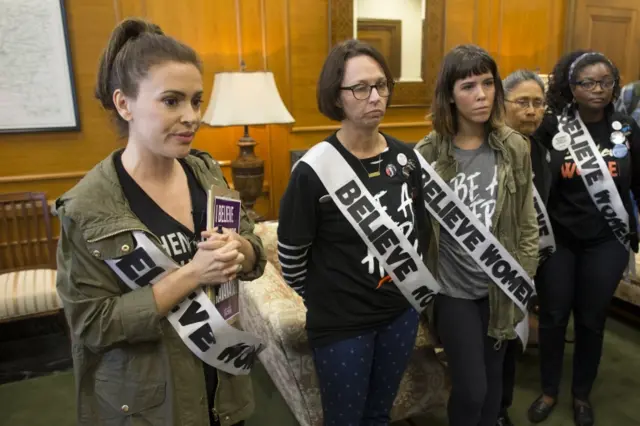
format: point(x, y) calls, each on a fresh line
point(362, 91)
point(591, 84)
point(524, 103)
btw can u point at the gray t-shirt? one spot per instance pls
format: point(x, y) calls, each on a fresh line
point(476, 184)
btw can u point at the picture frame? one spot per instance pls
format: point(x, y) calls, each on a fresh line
point(37, 89)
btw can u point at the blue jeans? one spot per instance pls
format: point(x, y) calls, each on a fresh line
point(359, 377)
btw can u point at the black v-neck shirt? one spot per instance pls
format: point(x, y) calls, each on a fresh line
point(178, 240)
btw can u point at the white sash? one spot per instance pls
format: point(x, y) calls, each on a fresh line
point(197, 321)
point(596, 176)
point(443, 204)
point(378, 231)
point(547, 243)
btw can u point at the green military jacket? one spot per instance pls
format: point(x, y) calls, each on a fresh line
point(514, 220)
point(130, 365)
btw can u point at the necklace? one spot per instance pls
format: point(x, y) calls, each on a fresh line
point(377, 172)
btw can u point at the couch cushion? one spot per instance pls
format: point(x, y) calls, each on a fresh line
point(29, 292)
point(272, 310)
point(268, 233)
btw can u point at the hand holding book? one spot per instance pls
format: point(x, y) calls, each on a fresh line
point(218, 258)
point(223, 224)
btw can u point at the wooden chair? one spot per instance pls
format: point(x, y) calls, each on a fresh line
point(27, 258)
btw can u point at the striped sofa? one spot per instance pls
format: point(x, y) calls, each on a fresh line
point(28, 293)
point(27, 257)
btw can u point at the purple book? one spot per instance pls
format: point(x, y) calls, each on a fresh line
point(224, 211)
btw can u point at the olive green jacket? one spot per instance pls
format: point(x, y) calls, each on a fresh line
point(514, 220)
point(131, 367)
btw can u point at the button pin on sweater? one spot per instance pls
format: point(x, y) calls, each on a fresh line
point(617, 137)
point(561, 141)
point(390, 170)
point(620, 151)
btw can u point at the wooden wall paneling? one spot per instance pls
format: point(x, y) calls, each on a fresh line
point(52, 162)
point(612, 28)
point(518, 21)
point(218, 47)
point(309, 45)
point(56, 153)
point(129, 8)
point(277, 29)
point(308, 50)
point(487, 25)
point(460, 23)
point(517, 34)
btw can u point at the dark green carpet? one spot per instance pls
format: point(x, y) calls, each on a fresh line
point(616, 397)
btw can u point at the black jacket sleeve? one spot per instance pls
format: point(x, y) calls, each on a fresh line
point(546, 131)
point(634, 141)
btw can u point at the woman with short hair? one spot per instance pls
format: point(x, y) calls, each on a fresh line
point(360, 324)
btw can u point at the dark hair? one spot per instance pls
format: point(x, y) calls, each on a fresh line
point(462, 62)
point(135, 46)
point(564, 75)
point(332, 74)
point(520, 76)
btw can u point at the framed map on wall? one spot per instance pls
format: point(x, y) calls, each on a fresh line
point(37, 90)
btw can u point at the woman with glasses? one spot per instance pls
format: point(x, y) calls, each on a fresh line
point(594, 226)
point(524, 105)
point(487, 166)
point(361, 327)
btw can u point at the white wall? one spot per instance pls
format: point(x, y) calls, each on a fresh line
point(411, 12)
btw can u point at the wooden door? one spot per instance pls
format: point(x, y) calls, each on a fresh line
point(386, 36)
point(611, 27)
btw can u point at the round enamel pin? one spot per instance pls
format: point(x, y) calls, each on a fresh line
point(402, 159)
point(618, 138)
point(391, 170)
point(616, 125)
point(620, 151)
point(561, 141)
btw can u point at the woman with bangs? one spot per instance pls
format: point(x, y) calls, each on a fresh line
point(487, 165)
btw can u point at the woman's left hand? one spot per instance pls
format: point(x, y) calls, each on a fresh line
point(246, 258)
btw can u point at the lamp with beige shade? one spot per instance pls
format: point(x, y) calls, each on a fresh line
point(245, 99)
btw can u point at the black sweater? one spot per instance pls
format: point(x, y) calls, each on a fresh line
point(574, 216)
point(323, 258)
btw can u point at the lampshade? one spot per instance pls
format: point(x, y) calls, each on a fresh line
point(245, 98)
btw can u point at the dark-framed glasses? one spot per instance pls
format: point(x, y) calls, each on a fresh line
point(524, 103)
point(362, 91)
point(606, 84)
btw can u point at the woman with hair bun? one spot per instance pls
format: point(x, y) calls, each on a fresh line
point(593, 152)
point(131, 366)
